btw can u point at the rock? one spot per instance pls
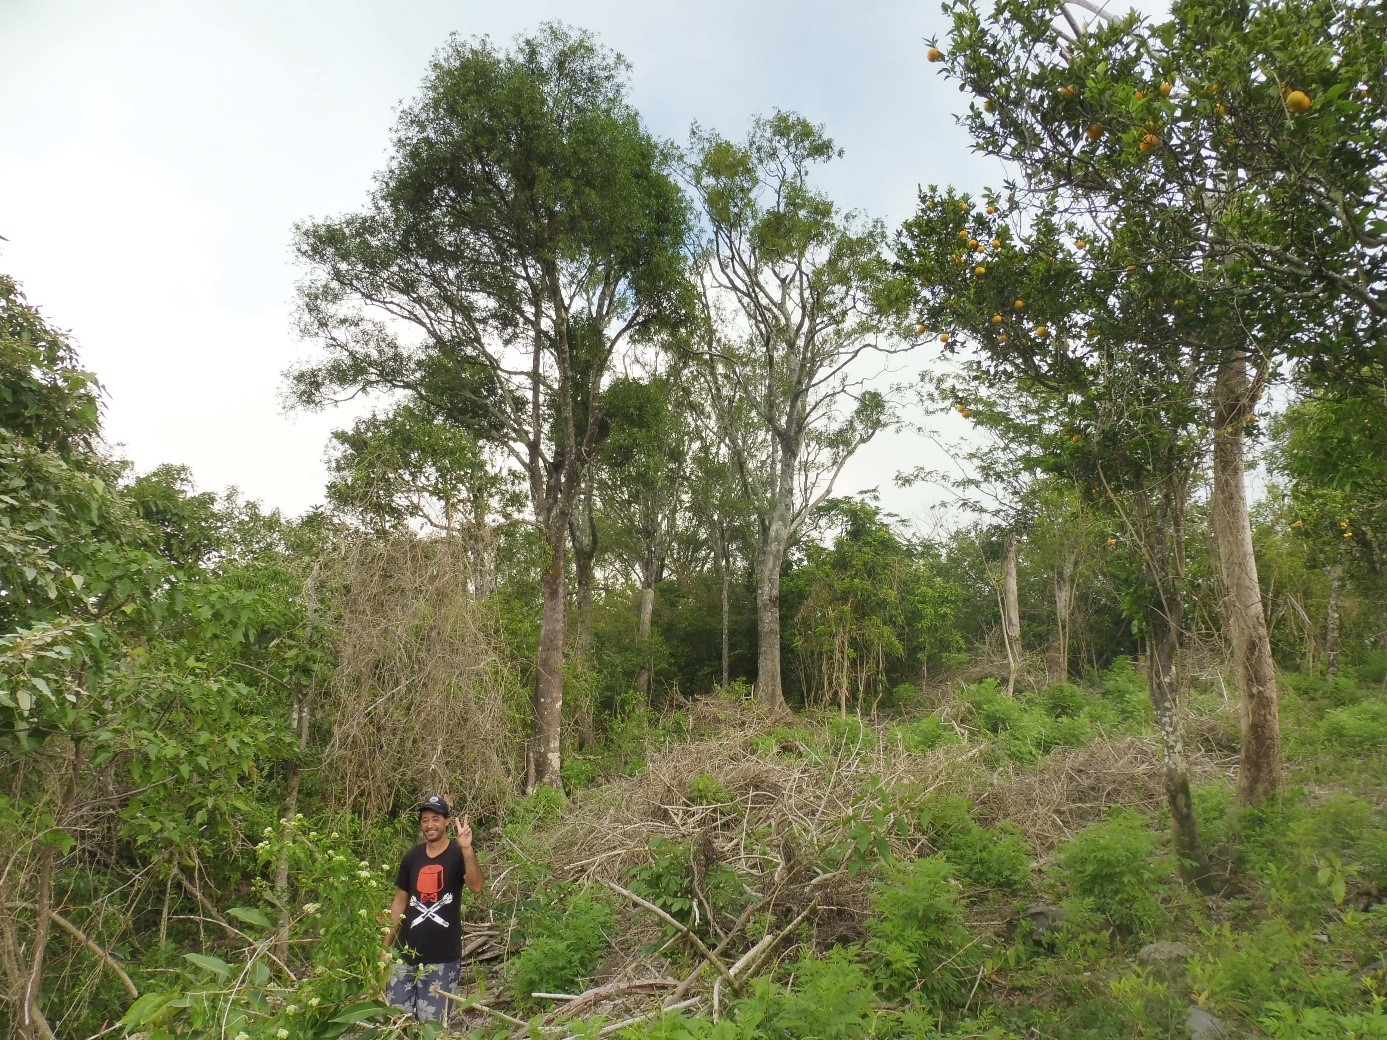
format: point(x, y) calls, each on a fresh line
point(1203, 1026)
point(1042, 920)
point(1165, 961)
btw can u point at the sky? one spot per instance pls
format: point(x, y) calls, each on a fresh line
point(155, 157)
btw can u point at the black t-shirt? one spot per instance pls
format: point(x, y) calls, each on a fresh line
point(431, 931)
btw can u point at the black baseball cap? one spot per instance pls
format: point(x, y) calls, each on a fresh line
point(433, 803)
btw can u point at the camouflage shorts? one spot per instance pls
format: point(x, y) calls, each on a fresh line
point(411, 987)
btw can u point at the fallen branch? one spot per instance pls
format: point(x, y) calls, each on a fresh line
point(72, 930)
point(626, 1023)
point(694, 940)
point(475, 1004)
point(611, 989)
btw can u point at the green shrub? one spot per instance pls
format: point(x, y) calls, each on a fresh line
point(566, 936)
point(992, 857)
point(544, 806)
point(1063, 700)
point(905, 698)
point(1372, 667)
point(1281, 1021)
point(918, 946)
point(578, 773)
point(849, 732)
point(1356, 728)
point(1114, 867)
point(990, 709)
point(831, 999)
point(671, 880)
point(1339, 692)
point(706, 789)
point(1124, 687)
point(1273, 962)
point(922, 735)
point(783, 740)
point(944, 815)
point(989, 857)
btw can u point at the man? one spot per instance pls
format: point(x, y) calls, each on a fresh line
point(425, 915)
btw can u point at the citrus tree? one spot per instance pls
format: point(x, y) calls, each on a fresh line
point(1246, 144)
point(1079, 376)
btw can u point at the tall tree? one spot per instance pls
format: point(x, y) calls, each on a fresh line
point(1240, 140)
point(644, 483)
point(1084, 379)
point(523, 232)
point(796, 292)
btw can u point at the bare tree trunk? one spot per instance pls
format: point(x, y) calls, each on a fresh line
point(1064, 612)
point(301, 708)
point(1011, 614)
point(725, 578)
point(1259, 768)
point(770, 554)
point(542, 759)
point(644, 672)
point(1331, 622)
point(1162, 650)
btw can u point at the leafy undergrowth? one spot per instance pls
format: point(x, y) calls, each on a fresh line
point(990, 869)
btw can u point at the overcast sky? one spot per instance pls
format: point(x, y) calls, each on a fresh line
point(155, 156)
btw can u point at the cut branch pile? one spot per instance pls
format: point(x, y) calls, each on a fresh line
point(790, 807)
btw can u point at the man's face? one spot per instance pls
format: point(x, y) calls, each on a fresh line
point(434, 825)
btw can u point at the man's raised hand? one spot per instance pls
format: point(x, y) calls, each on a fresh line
point(464, 832)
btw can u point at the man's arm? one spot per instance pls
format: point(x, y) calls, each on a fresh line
point(472, 872)
point(396, 914)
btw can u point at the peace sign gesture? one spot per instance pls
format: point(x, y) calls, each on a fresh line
point(464, 832)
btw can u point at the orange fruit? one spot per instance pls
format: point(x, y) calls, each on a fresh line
point(996, 319)
point(980, 270)
point(1165, 89)
point(1094, 131)
point(1149, 142)
point(944, 337)
point(934, 54)
point(1068, 92)
point(1019, 304)
point(1298, 102)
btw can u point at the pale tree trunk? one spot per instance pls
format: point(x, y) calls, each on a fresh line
point(1331, 622)
point(302, 705)
point(1011, 614)
point(644, 672)
point(542, 758)
point(770, 554)
point(1064, 614)
point(1163, 689)
point(725, 580)
point(1259, 767)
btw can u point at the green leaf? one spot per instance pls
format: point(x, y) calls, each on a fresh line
point(215, 965)
point(361, 1012)
point(145, 1010)
point(250, 915)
